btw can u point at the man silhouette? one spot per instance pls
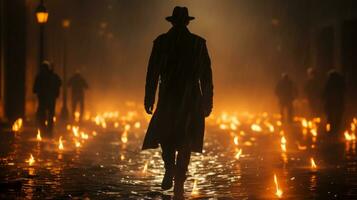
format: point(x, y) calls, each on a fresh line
point(334, 100)
point(313, 90)
point(46, 87)
point(286, 92)
point(180, 60)
point(78, 85)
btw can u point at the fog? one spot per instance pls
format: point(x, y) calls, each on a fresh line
point(250, 42)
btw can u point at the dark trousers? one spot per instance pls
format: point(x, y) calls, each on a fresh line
point(286, 111)
point(176, 163)
point(75, 102)
point(46, 113)
point(334, 118)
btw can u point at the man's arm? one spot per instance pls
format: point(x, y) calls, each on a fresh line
point(152, 78)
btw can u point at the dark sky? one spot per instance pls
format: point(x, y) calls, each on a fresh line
point(250, 42)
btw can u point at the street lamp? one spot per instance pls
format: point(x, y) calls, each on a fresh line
point(42, 17)
point(66, 23)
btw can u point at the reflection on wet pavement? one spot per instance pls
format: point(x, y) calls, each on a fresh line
point(246, 157)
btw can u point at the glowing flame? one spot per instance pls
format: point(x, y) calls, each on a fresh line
point(236, 142)
point(328, 127)
point(353, 127)
point(60, 144)
point(77, 143)
point(223, 126)
point(116, 124)
point(279, 192)
point(256, 128)
point(31, 160)
point(349, 137)
point(313, 132)
point(84, 136)
point(75, 130)
point(17, 125)
point(77, 116)
point(194, 188)
point(304, 123)
point(313, 164)
point(270, 127)
point(239, 153)
point(38, 137)
point(124, 137)
point(137, 125)
point(283, 144)
point(233, 126)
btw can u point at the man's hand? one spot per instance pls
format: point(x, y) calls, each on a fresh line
point(149, 109)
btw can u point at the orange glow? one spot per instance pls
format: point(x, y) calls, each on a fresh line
point(42, 17)
point(349, 137)
point(77, 143)
point(256, 128)
point(194, 188)
point(238, 155)
point(31, 160)
point(38, 137)
point(137, 125)
point(279, 192)
point(283, 144)
point(17, 126)
point(328, 127)
point(236, 142)
point(60, 144)
point(313, 164)
point(124, 137)
point(313, 132)
point(75, 130)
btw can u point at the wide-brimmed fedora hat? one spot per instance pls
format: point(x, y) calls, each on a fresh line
point(179, 14)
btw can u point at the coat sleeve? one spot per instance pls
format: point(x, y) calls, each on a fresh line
point(152, 76)
point(206, 79)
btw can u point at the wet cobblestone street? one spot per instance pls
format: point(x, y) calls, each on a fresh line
point(101, 159)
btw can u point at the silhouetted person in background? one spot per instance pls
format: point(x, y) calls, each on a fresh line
point(78, 85)
point(46, 87)
point(286, 92)
point(334, 100)
point(180, 60)
point(313, 91)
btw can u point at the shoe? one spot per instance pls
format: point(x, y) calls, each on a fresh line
point(167, 181)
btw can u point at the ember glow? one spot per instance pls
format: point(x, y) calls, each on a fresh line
point(194, 188)
point(17, 126)
point(283, 144)
point(238, 154)
point(60, 143)
point(279, 192)
point(38, 136)
point(31, 160)
point(313, 164)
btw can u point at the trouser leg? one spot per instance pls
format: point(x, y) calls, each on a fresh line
point(290, 111)
point(168, 156)
point(81, 107)
point(74, 105)
point(182, 162)
point(41, 114)
point(50, 116)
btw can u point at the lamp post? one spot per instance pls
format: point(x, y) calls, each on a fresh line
point(42, 17)
point(64, 111)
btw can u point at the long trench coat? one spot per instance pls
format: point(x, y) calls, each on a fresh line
point(180, 64)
